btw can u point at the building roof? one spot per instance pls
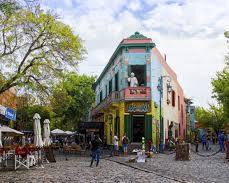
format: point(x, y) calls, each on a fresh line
point(135, 40)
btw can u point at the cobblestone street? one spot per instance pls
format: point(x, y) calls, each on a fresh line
point(160, 168)
point(77, 170)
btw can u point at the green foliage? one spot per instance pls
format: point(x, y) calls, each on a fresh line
point(221, 85)
point(36, 48)
point(212, 118)
point(25, 115)
point(8, 6)
point(72, 99)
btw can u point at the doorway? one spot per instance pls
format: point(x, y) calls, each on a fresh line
point(138, 127)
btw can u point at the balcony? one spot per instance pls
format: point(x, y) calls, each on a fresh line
point(128, 94)
point(137, 93)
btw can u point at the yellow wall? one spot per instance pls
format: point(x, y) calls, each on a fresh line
point(121, 107)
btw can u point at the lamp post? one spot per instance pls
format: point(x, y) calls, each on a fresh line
point(160, 89)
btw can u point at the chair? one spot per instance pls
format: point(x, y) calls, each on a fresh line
point(67, 149)
point(21, 158)
point(77, 149)
point(2, 153)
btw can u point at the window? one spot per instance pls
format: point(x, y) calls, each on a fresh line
point(182, 115)
point(110, 86)
point(106, 90)
point(100, 96)
point(178, 102)
point(116, 82)
point(139, 72)
point(173, 98)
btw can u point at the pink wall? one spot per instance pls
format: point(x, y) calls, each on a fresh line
point(182, 112)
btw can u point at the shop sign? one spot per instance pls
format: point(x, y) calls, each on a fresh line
point(2, 110)
point(138, 107)
point(10, 114)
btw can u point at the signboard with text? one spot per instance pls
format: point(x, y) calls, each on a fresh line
point(137, 107)
point(10, 114)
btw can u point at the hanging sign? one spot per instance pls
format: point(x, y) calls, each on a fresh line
point(10, 114)
point(137, 107)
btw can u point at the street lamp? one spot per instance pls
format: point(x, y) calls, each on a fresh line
point(160, 89)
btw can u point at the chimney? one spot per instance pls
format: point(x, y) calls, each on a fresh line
point(165, 56)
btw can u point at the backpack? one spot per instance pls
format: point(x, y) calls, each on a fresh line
point(125, 140)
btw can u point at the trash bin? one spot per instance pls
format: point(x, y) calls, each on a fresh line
point(227, 149)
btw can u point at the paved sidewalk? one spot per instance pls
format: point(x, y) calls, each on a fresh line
point(77, 169)
point(198, 169)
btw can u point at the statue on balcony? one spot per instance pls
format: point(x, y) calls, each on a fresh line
point(133, 80)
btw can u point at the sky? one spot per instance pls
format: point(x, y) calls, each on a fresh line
point(189, 32)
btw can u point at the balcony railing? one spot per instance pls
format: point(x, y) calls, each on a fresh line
point(127, 94)
point(137, 93)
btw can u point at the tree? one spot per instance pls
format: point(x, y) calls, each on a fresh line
point(26, 111)
point(221, 85)
point(35, 49)
point(72, 99)
point(213, 117)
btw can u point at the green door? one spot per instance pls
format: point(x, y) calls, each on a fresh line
point(148, 127)
point(128, 126)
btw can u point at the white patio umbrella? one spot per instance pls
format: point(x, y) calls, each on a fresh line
point(10, 131)
point(46, 139)
point(37, 131)
point(58, 132)
point(0, 138)
point(69, 133)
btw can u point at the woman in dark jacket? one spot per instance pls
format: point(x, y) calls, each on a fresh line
point(95, 150)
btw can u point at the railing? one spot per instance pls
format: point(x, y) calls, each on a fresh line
point(113, 97)
point(127, 94)
point(137, 93)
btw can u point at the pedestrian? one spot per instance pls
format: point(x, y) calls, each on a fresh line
point(204, 139)
point(95, 150)
point(221, 141)
point(115, 142)
point(208, 141)
point(125, 142)
point(196, 140)
point(149, 145)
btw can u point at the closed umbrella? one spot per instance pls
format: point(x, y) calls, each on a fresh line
point(0, 138)
point(37, 131)
point(47, 140)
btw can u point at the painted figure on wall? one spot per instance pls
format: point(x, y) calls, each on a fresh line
point(133, 80)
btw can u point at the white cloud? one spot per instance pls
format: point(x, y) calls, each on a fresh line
point(189, 32)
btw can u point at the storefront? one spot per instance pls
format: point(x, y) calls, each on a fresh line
point(138, 120)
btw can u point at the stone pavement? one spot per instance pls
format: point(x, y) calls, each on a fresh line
point(77, 169)
point(199, 169)
point(160, 168)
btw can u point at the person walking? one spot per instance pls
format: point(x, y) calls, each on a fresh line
point(204, 139)
point(196, 140)
point(208, 141)
point(115, 142)
point(125, 142)
point(95, 150)
point(221, 141)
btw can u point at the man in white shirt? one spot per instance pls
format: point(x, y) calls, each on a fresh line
point(115, 142)
point(132, 80)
